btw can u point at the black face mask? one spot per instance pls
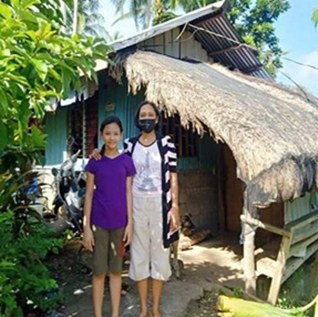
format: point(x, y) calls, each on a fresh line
point(147, 125)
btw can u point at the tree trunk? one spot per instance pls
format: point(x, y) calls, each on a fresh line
point(75, 17)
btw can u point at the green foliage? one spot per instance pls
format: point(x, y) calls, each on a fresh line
point(142, 11)
point(163, 12)
point(314, 17)
point(163, 17)
point(238, 292)
point(25, 281)
point(38, 64)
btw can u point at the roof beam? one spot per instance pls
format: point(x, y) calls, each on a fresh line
point(229, 49)
point(253, 69)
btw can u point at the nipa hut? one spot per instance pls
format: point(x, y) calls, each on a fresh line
point(271, 131)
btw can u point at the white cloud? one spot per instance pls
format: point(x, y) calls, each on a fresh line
point(303, 75)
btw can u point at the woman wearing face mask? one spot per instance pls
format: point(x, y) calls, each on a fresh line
point(155, 206)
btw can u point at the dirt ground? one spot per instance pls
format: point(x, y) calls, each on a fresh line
point(193, 295)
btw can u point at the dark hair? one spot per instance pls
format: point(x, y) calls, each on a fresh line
point(109, 120)
point(150, 103)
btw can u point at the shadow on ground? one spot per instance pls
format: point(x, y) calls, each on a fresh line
point(206, 267)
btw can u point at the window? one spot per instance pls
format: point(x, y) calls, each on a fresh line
point(83, 127)
point(186, 140)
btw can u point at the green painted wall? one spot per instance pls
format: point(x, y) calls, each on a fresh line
point(56, 129)
point(115, 100)
point(206, 159)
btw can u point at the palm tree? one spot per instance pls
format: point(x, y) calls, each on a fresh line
point(82, 16)
point(145, 12)
point(113, 37)
point(193, 5)
point(139, 10)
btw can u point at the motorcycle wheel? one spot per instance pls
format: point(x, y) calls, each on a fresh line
point(59, 210)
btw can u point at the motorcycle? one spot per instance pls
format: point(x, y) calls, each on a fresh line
point(70, 188)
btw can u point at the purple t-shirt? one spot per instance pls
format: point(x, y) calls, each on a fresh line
point(109, 206)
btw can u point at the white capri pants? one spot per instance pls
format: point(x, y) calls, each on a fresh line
point(148, 256)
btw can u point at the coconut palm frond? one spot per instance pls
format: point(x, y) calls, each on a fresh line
point(119, 5)
point(124, 16)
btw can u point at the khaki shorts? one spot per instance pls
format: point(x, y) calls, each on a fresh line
point(108, 251)
point(148, 256)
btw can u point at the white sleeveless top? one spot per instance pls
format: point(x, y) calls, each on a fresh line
point(147, 180)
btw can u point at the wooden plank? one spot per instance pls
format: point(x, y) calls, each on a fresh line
point(266, 257)
point(294, 263)
point(279, 271)
point(265, 266)
point(168, 44)
point(229, 49)
point(305, 232)
point(266, 226)
point(302, 221)
point(300, 249)
point(159, 44)
point(221, 188)
point(187, 45)
point(300, 238)
point(175, 44)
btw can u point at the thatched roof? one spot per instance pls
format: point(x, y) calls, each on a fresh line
point(272, 131)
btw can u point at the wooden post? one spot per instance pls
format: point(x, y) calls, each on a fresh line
point(248, 249)
point(220, 189)
point(279, 271)
point(249, 260)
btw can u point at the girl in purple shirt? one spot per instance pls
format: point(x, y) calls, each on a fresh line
point(108, 214)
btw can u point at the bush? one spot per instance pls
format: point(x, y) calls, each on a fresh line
point(25, 281)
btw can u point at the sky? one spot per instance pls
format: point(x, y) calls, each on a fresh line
point(294, 28)
point(299, 39)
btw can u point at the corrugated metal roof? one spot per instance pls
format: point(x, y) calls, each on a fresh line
point(218, 37)
point(224, 45)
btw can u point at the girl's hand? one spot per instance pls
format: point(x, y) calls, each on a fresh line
point(96, 154)
point(88, 240)
point(128, 234)
point(174, 218)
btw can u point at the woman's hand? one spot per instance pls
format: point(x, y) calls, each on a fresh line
point(174, 218)
point(88, 239)
point(128, 234)
point(96, 154)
